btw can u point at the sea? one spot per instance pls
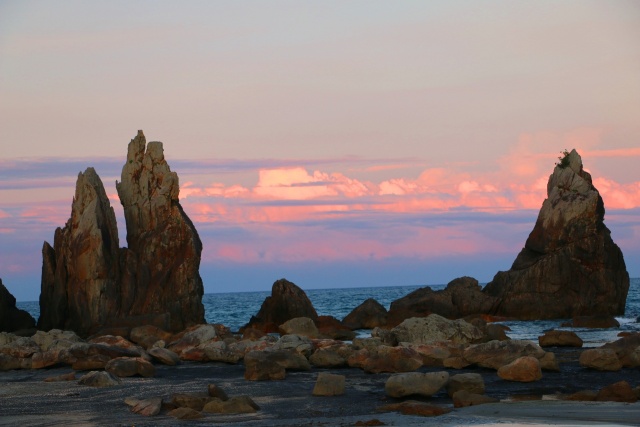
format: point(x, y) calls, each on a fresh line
point(234, 309)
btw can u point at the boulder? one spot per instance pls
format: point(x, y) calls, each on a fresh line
point(329, 385)
point(329, 358)
point(627, 349)
point(368, 315)
point(332, 328)
point(147, 407)
point(602, 359)
point(185, 414)
point(464, 398)
point(413, 407)
point(120, 342)
point(54, 338)
point(217, 392)
point(89, 283)
point(234, 405)
point(548, 362)
point(462, 297)
point(130, 366)
point(272, 365)
point(617, 392)
point(495, 354)
point(524, 369)
point(386, 359)
point(432, 354)
point(435, 328)
point(164, 356)
point(190, 400)
point(560, 339)
point(302, 326)
point(147, 335)
point(99, 379)
point(13, 319)
point(194, 336)
point(287, 301)
point(472, 383)
point(415, 383)
point(219, 352)
point(296, 343)
point(569, 265)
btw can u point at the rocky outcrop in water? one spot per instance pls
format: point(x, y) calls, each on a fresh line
point(89, 282)
point(287, 301)
point(12, 318)
point(569, 265)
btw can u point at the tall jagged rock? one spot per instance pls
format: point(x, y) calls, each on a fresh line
point(569, 265)
point(80, 274)
point(89, 283)
point(161, 265)
point(13, 319)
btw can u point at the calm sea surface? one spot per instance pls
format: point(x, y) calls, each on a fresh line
point(234, 309)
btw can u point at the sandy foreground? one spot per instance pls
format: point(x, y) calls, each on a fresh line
point(25, 400)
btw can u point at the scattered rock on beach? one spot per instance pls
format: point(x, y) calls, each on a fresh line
point(164, 356)
point(495, 354)
point(413, 407)
point(386, 359)
point(185, 414)
point(560, 339)
point(259, 367)
point(418, 383)
point(71, 376)
point(329, 385)
point(332, 328)
point(473, 383)
point(435, 328)
point(602, 359)
point(524, 369)
point(627, 349)
point(302, 326)
point(99, 379)
point(583, 395)
point(617, 392)
point(130, 366)
point(234, 405)
point(217, 392)
point(147, 407)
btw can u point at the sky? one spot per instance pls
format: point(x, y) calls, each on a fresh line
point(337, 144)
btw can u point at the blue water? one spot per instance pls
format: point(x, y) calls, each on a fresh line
point(234, 309)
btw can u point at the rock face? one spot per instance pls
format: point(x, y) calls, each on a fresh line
point(12, 318)
point(287, 301)
point(88, 282)
point(569, 265)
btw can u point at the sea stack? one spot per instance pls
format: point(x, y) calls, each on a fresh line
point(13, 319)
point(89, 283)
point(569, 265)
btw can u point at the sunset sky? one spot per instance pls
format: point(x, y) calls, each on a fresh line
point(334, 143)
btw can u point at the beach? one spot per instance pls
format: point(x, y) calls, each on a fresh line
point(26, 400)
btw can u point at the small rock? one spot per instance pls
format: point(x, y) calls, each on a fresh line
point(217, 392)
point(187, 400)
point(524, 369)
point(473, 383)
point(128, 367)
point(329, 385)
point(617, 392)
point(583, 395)
point(412, 407)
point(99, 379)
point(185, 414)
point(147, 407)
point(71, 376)
point(424, 384)
point(164, 356)
point(235, 405)
point(560, 339)
point(548, 362)
point(601, 359)
point(463, 398)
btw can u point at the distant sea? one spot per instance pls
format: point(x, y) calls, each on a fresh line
point(234, 309)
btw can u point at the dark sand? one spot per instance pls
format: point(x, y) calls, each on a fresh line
point(28, 401)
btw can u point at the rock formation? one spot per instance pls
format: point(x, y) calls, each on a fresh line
point(89, 283)
point(287, 301)
point(161, 265)
point(569, 265)
point(12, 318)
